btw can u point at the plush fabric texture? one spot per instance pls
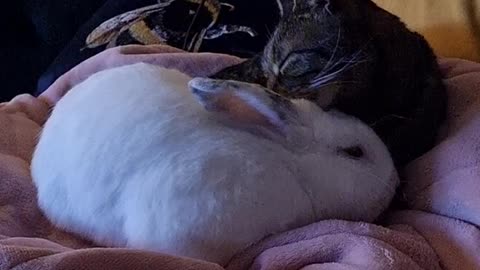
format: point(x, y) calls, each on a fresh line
point(440, 230)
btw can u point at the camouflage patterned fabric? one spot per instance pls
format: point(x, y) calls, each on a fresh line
point(154, 25)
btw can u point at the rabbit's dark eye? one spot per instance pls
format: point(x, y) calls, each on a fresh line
point(353, 152)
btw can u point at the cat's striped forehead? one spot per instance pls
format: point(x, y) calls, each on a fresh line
point(301, 8)
point(274, 52)
point(304, 35)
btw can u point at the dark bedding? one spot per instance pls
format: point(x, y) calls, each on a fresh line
point(42, 39)
point(260, 15)
point(33, 33)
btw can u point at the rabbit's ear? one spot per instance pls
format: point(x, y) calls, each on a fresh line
point(243, 102)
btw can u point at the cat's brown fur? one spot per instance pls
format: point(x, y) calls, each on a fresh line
point(353, 56)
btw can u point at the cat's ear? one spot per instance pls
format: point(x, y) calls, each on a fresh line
point(244, 103)
point(286, 7)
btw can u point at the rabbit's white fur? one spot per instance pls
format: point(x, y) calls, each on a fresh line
point(131, 157)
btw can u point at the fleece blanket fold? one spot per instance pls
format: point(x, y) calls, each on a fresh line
point(440, 230)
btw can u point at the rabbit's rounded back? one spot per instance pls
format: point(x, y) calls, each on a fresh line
point(131, 157)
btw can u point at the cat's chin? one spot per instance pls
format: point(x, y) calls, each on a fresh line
point(325, 97)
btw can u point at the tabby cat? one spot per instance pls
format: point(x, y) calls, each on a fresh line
point(353, 56)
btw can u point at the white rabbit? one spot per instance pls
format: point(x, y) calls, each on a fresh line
point(145, 157)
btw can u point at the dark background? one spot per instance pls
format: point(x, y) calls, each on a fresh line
point(41, 39)
point(33, 33)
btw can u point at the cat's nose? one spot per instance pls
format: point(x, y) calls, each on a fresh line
point(272, 83)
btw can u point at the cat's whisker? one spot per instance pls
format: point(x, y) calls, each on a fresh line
point(327, 71)
point(336, 64)
point(321, 83)
point(353, 61)
point(332, 56)
point(333, 68)
point(373, 124)
point(325, 84)
point(268, 33)
point(326, 78)
point(356, 55)
point(340, 83)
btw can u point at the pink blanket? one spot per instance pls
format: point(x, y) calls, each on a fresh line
point(440, 231)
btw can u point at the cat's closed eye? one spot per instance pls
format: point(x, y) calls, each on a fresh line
point(298, 66)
